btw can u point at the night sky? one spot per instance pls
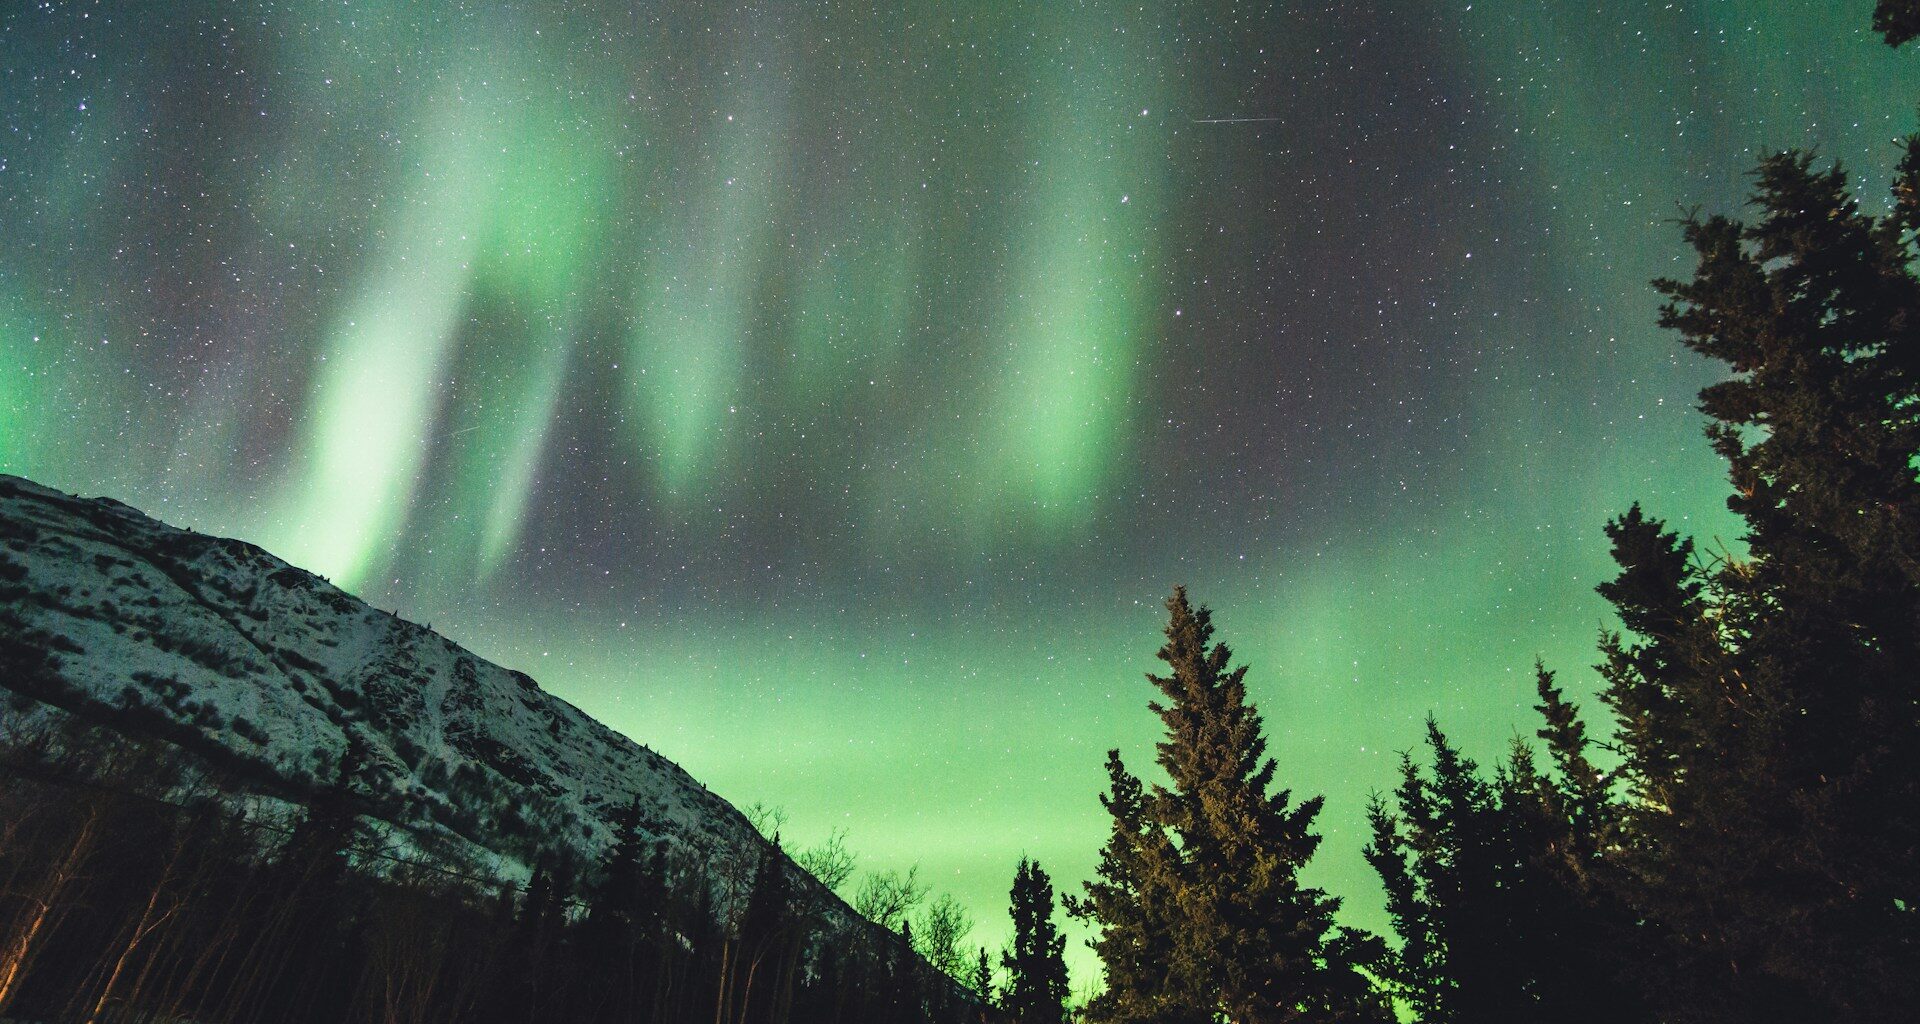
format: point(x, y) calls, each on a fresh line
point(827, 394)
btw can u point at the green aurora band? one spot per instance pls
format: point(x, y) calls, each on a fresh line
point(826, 397)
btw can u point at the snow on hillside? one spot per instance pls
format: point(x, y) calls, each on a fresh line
point(263, 664)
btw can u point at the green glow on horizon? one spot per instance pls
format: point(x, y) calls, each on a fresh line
point(864, 407)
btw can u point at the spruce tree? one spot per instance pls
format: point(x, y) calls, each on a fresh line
point(620, 941)
point(314, 883)
point(1211, 863)
point(1133, 918)
point(1496, 923)
point(1439, 854)
point(1768, 724)
point(316, 856)
point(1582, 796)
point(529, 961)
point(631, 889)
point(982, 980)
point(1576, 943)
point(1897, 20)
point(768, 941)
point(1036, 991)
point(902, 998)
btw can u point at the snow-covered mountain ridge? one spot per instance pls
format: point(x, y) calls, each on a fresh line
point(220, 647)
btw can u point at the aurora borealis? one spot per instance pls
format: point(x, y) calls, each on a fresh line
point(827, 396)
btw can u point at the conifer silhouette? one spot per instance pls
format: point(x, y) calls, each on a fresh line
point(1200, 901)
point(1036, 991)
point(1768, 725)
point(1897, 20)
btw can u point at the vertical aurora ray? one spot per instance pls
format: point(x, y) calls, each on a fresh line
point(493, 427)
point(508, 209)
point(550, 196)
point(685, 355)
point(512, 485)
point(374, 402)
point(877, 403)
point(693, 303)
point(25, 369)
point(1075, 326)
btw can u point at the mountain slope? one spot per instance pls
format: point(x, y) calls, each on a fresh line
point(224, 649)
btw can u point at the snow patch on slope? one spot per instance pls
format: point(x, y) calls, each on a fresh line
point(239, 654)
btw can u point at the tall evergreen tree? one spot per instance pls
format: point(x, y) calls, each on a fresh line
point(631, 888)
point(1211, 863)
point(1438, 854)
point(1036, 966)
point(1494, 925)
point(768, 942)
point(1134, 918)
point(1897, 20)
point(523, 986)
point(1582, 797)
point(1768, 724)
point(982, 980)
point(313, 877)
point(316, 854)
point(620, 941)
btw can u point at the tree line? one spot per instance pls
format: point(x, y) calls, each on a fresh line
point(137, 884)
point(1736, 840)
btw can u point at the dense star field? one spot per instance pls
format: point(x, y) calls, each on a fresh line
point(827, 396)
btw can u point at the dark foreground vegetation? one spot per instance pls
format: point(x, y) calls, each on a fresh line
point(1737, 842)
point(135, 886)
